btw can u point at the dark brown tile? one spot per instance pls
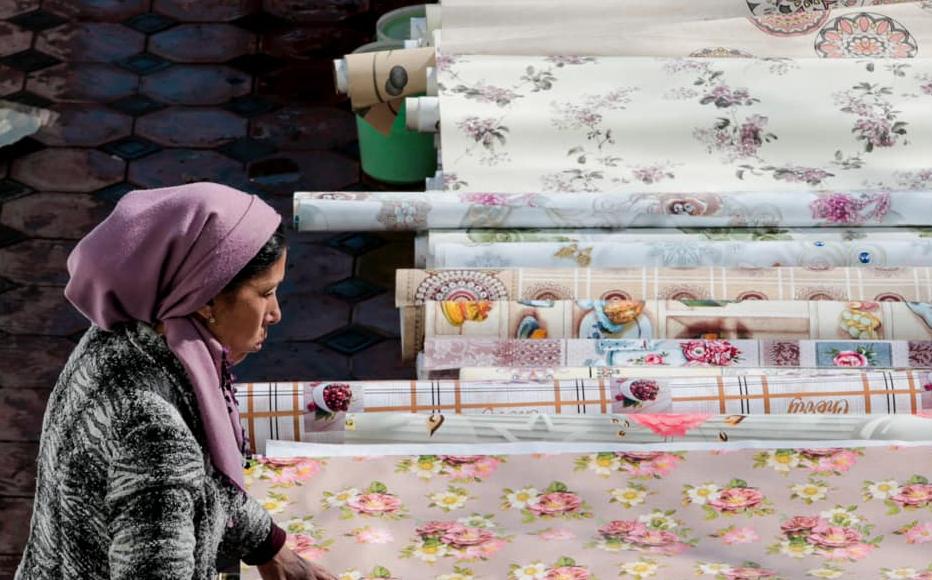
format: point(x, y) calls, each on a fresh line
point(32, 362)
point(311, 267)
point(203, 43)
point(196, 85)
point(35, 262)
point(308, 315)
point(379, 313)
point(191, 127)
point(299, 43)
point(76, 170)
point(11, 8)
point(13, 39)
point(38, 310)
point(176, 166)
point(379, 265)
point(382, 362)
point(293, 361)
point(14, 529)
point(306, 128)
point(85, 125)
point(21, 413)
point(18, 468)
point(316, 11)
point(84, 82)
point(11, 80)
point(290, 171)
point(206, 10)
point(291, 83)
point(97, 10)
point(66, 216)
point(91, 42)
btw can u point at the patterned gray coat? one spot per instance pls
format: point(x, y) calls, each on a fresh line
point(124, 488)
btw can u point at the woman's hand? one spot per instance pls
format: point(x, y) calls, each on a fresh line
point(286, 565)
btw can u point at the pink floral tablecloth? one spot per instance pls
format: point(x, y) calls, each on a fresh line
point(718, 513)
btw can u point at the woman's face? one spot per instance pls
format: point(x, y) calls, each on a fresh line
point(242, 317)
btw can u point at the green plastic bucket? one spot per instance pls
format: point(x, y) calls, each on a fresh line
point(401, 156)
point(396, 25)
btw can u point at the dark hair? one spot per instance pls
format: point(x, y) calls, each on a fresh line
point(267, 256)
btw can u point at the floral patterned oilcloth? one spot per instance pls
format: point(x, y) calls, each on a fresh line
point(722, 514)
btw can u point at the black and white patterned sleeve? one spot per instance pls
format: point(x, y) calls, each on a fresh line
point(155, 481)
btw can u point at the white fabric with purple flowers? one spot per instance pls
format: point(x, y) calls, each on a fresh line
point(715, 125)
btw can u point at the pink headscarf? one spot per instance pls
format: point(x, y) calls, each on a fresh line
point(158, 257)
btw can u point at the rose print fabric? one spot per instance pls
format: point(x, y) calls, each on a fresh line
point(451, 353)
point(300, 410)
point(653, 319)
point(635, 125)
point(350, 211)
point(624, 512)
point(736, 29)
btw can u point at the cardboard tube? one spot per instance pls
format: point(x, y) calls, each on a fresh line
point(379, 77)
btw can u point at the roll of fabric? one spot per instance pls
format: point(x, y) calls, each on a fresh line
point(363, 211)
point(295, 411)
point(520, 124)
point(397, 428)
point(687, 252)
point(680, 29)
point(414, 287)
point(653, 319)
point(450, 353)
point(473, 374)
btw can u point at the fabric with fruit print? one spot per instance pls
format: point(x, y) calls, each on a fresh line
point(632, 512)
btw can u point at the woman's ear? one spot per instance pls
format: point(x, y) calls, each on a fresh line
point(206, 312)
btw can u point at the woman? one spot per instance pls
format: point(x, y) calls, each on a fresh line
point(140, 464)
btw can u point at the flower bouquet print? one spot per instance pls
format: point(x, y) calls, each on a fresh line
point(374, 501)
point(520, 522)
point(472, 538)
point(912, 495)
point(658, 533)
point(731, 499)
point(563, 568)
point(455, 468)
point(555, 501)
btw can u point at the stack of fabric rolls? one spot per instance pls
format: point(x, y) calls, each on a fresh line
point(672, 311)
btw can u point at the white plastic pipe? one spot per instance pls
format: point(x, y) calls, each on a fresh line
point(423, 114)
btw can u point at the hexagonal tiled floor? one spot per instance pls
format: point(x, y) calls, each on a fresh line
point(151, 93)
